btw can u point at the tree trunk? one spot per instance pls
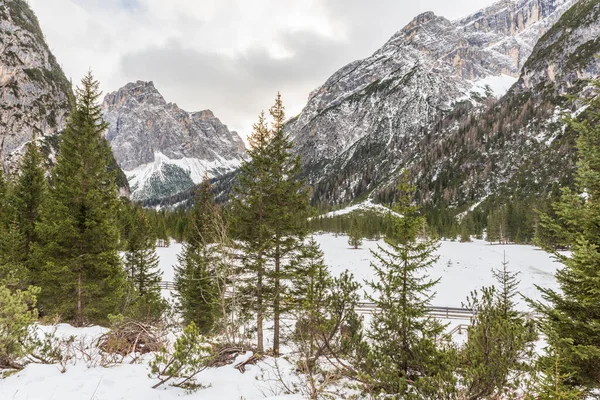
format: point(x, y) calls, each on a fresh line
point(259, 307)
point(79, 312)
point(276, 305)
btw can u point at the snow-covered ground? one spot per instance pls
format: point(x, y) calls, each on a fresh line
point(83, 381)
point(366, 205)
point(462, 267)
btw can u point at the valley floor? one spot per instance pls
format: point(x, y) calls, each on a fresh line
point(462, 268)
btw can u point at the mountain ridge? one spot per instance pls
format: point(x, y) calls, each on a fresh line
point(378, 108)
point(162, 148)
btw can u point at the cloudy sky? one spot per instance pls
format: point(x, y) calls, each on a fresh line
point(230, 56)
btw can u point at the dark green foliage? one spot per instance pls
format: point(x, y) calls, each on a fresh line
point(17, 314)
point(141, 264)
point(29, 191)
point(372, 224)
point(80, 271)
point(13, 271)
point(500, 340)
point(354, 235)
point(404, 351)
point(197, 291)
point(269, 212)
point(553, 383)
point(571, 317)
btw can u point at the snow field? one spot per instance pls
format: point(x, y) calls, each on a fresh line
point(462, 268)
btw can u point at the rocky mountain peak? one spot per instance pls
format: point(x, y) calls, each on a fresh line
point(162, 148)
point(35, 95)
point(135, 92)
point(377, 108)
point(419, 20)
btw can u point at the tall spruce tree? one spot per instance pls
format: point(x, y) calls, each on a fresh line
point(571, 316)
point(141, 260)
point(249, 223)
point(196, 290)
point(80, 270)
point(13, 272)
point(404, 352)
point(7, 214)
point(287, 208)
point(29, 192)
point(270, 208)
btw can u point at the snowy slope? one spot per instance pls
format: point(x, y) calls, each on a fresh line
point(368, 118)
point(163, 149)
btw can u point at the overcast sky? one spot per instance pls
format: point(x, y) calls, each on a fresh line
point(230, 56)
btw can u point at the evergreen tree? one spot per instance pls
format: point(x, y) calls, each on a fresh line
point(465, 235)
point(354, 235)
point(13, 272)
point(287, 208)
point(80, 271)
point(29, 191)
point(499, 339)
point(310, 291)
point(572, 315)
point(196, 290)
point(404, 352)
point(270, 209)
point(492, 230)
point(4, 215)
point(249, 223)
point(141, 264)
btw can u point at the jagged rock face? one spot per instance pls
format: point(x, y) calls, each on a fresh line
point(370, 113)
point(519, 146)
point(35, 96)
point(567, 53)
point(162, 148)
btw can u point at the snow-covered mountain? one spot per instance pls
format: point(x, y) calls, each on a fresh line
point(163, 149)
point(35, 95)
point(517, 147)
point(369, 118)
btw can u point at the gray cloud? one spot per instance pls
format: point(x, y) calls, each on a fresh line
point(227, 55)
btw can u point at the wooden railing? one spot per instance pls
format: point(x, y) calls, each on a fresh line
point(369, 308)
point(167, 285)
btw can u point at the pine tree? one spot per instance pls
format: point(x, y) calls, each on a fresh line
point(311, 287)
point(287, 208)
point(29, 191)
point(13, 272)
point(7, 214)
point(499, 339)
point(270, 209)
point(465, 235)
point(141, 264)
point(354, 235)
point(572, 315)
point(196, 290)
point(404, 352)
point(80, 271)
point(249, 223)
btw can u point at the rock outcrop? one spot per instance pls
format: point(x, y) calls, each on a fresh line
point(35, 95)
